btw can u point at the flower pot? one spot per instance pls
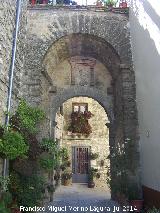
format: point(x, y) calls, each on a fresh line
point(123, 5)
point(45, 2)
point(66, 182)
point(99, 4)
point(15, 210)
point(137, 204)
point(33, 2)
point(91, 184)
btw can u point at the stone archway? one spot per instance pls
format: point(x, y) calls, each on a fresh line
point(104, 100)
point(104, 37)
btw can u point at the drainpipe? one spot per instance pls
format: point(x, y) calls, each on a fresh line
point(11, 74)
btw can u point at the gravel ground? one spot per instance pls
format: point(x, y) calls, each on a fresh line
point(79, 198)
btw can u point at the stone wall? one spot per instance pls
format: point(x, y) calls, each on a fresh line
point(7, 24)
point(53, 38)
point(50, 32)
point(98, 140)
point(7, 21)
point(145, 25)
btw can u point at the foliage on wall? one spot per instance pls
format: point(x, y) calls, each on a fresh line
point(18, 143)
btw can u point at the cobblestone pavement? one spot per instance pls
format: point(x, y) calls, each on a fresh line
point(79, 198)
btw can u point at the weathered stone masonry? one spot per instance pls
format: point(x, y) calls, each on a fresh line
point(7, 23)
point(55, 36)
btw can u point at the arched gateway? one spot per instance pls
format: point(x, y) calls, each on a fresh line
point(84, 54)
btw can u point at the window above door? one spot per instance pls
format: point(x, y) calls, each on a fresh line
point(79, 107)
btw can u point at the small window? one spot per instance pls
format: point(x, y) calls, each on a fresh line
point(79, 107)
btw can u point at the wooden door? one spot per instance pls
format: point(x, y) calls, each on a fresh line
point(80, 164)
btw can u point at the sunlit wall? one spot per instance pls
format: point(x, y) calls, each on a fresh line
point(145, 38)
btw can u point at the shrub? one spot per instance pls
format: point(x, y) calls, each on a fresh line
point(13, 145)
point(30, 191)
point(29, 116)
point(48, 145)
point(5, 202)
point(4, 182)
point(47, 161)
point(154, 210)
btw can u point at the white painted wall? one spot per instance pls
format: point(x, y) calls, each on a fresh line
point(145, 37)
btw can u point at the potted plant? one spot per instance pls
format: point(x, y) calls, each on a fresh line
point(51, 188)
point(79, 123)
point(99, 3)
point(92, 173)
point(98, 175)
point(102, 163)
point(66, 177)
point(93, 156)
point(154, 210)
point(134, 198)
point(110, 3)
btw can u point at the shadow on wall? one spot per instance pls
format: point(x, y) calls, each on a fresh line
point(148, 18)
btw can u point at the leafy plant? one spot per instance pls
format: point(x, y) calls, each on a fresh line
point(4, 182)
point(66, 175)
point(30, 191)
point(124, 158)
point(14, 185)
point(49, 145)
point(57, 176)
point(93, 156)
point(29, 116)
point(111, 2)
point(4, 208)
point(80, 124)
point(5, 202)
point(154, 210)
point(51, 188)
point(98, 175)
point(7, 198)
point(47, 161)
point(64, 153)
point(133, 192)
point(92, 174)
point(13, 145)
